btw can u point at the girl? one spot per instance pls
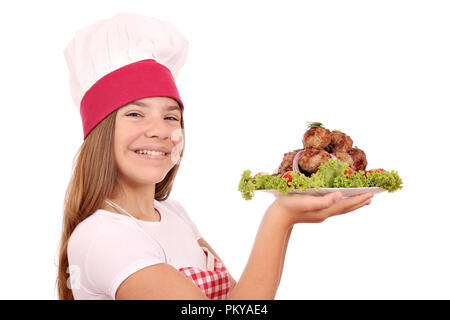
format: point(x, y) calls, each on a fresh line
point(123, 237)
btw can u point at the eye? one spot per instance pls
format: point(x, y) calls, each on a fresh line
point(133, 113)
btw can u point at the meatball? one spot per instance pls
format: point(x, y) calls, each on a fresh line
point(344, 157)
point(286, 163)
point(359, 159)
point(312, 158)
point(317, 137)
point(340, 142)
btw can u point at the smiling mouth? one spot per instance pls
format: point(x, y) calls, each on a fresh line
point(152, 153)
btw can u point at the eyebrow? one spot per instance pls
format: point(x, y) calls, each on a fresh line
point(142, 104)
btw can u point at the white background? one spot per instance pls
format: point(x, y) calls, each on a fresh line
point(256, 71)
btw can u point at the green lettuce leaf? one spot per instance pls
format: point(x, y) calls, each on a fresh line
point(328, 172)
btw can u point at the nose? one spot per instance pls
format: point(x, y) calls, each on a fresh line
point(157, 128)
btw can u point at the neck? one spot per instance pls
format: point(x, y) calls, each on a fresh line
point(136, 200)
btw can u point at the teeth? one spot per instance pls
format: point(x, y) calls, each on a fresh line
point(153, 153)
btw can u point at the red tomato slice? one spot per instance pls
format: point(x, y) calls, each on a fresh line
point(374, 170)
point(349, 171)
point(289, 176)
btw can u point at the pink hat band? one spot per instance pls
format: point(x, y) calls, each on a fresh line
point(142, 79)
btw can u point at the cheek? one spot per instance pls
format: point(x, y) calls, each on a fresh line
point(177, 137)
point(119, 160)
point(122, 141)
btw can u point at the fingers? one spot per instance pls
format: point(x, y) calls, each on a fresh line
point(359, 205)
point(306, 203)
point(347, 205)
point(306, 208)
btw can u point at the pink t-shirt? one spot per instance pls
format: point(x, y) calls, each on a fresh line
point(107, 247)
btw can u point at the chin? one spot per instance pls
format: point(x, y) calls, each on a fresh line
point(151, 177)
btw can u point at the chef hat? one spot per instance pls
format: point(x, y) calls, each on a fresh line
point(116, 61)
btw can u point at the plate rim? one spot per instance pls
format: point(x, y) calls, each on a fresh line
point(317, 191)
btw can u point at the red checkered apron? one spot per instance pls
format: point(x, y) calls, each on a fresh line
point(214, 281)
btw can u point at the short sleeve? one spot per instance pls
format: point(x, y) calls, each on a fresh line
point(116, 253)
point(182, 213)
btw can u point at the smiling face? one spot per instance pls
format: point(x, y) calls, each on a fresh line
point(142, 128)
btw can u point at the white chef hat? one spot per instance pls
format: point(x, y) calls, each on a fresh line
point(116, 61)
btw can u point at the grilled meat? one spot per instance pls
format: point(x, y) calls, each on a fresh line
point(319, 143)
point(340, 142)
point(344, 157)
point(286, 163)
point(317, 137)
point(312, 158)
point(359, 159)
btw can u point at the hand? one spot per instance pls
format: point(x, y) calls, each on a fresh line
point(297, 208)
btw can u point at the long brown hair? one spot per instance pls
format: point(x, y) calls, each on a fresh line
point(93, 180)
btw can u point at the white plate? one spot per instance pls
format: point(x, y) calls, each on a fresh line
point(346, 192)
